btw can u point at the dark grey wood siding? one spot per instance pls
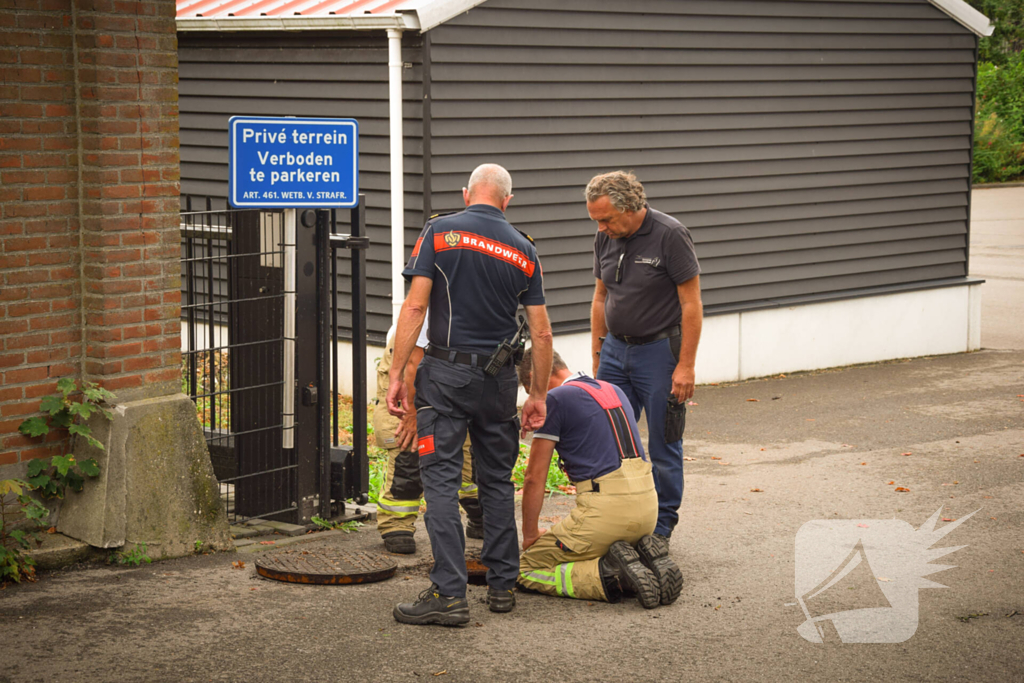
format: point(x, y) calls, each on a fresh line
point(344, 74)
point(812, 148)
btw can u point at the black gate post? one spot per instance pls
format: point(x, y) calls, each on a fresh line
point(345, 471)
point(325, 336)
point(360, 459)
point(307, 365)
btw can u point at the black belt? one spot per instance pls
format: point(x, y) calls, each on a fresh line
point(476, 360)
point(657, 336)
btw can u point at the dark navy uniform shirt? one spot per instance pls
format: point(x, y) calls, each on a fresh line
point(651, 263)
point(483, 269)
point(581, 431)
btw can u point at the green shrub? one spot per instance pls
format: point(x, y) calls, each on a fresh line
point(999, 122)
point(16, 505)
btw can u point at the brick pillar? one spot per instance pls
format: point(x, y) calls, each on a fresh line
point(127, 77)
point(40, 279)
point(89, 272)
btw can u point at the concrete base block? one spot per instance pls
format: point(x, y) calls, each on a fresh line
point(369, 510)
point(156, 484)
point(59, 551)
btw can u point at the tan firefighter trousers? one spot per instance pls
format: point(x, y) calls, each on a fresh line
point(564, 561)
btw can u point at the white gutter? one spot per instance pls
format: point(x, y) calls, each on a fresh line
point(395, 66)
point(368, 22)
point(968, 17)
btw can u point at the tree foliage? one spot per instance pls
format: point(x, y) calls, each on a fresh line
point(1007, 40)
point(999, 110)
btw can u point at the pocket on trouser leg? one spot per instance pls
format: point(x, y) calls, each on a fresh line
point(426, 448)
point(384, 426)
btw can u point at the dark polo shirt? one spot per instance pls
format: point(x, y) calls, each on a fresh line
point(655, 259)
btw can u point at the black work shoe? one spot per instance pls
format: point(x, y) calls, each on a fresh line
point(474, 528)
point(653, 552)
point(499, 600)
point(433, 608)
point(630, 571)
point(400, 542)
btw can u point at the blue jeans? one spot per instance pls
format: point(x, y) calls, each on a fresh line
point(644, 373)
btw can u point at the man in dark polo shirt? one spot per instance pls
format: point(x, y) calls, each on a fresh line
point(473, 270)
point(647, 310)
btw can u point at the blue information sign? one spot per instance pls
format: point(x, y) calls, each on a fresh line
point(290, 162)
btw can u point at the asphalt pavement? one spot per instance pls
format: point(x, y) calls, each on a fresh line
point(781, 471)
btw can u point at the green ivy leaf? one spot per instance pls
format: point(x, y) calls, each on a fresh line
point(33, 509)
point(37, 466)
point(39, 481)
point(80, 430)
point(94, 443)
point(62, 419)
point(63, 464)
point(74, 480)
point(33, 427)
point(10, 486)
point(66, 385)
point(82, 410)
point(89, 467)
point(52, 405)
point(97, 394)
point(20, 536)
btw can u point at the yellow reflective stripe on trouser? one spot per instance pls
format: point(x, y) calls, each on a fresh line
point(399, 508)
point(563, 578)
point(467, 488)
point(560, 578)
point(547, 578)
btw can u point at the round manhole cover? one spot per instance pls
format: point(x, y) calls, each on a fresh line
point(326, 566)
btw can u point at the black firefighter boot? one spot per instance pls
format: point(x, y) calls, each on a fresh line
point(653, 550)
point(400, 542)
point(623, 562)
point(474, 517)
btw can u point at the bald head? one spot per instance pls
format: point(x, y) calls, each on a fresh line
point(489, 184)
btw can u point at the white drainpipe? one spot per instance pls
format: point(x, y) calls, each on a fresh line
point(395, 66)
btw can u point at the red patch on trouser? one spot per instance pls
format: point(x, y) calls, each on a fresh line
point(426, 445)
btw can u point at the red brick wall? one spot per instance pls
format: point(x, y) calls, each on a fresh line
point(89, 274)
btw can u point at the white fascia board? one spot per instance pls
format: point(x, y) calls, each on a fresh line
point(436, 13)
point(969, 17)
point(404, 22)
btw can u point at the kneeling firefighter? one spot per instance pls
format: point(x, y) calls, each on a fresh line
point(606, 546)
point(399, 501)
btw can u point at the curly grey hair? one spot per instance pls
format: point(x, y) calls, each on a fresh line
point(621, 187)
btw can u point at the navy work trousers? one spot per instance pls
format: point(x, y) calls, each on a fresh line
point(451, 398)
point(644, 373)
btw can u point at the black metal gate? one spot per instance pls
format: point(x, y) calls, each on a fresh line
point(260, 387)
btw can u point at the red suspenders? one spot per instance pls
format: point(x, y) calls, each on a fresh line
point(609, 400)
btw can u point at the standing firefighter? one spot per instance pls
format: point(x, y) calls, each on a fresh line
point(590, 555)
point(473, 270)
point(399, 502)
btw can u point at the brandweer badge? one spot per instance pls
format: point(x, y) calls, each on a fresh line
point(466, 240)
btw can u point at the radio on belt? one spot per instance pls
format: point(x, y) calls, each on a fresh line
point(506, 350)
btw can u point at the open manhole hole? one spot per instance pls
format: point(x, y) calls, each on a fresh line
point(326, 566)
point(475, 568)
